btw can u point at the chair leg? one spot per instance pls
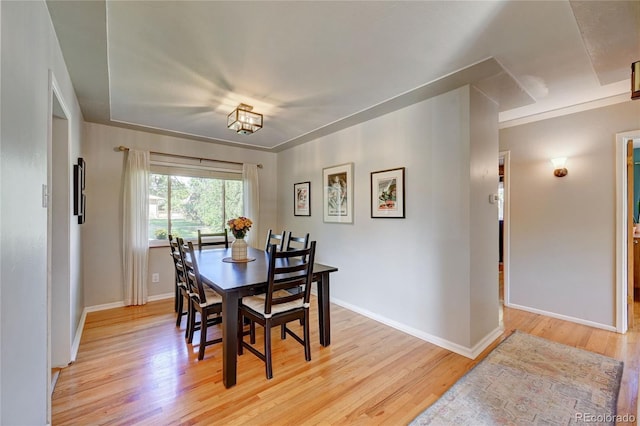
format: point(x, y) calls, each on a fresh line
point(240, 333)
point(203, 335)
point(283, 332)
point(179, 307)
point(307, 343)
point(191, 314)
point(178, 295)
point(252, 332)
point(267, 349)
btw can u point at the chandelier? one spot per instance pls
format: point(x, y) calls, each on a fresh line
point(242, 120)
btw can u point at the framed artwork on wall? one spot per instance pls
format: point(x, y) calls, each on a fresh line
point(79, 198)
point(338, 193)
point(302, 199)
point(387, 193)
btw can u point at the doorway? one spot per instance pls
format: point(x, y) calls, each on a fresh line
point(57, 196)
point(623, 298)
point(504, 212)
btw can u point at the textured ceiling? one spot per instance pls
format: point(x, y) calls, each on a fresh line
point(313, 67)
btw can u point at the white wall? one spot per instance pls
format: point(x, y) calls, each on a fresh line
point(413, 273)
point(563, 229)
point(102, 236)
point(484, 305)
point(29, 50)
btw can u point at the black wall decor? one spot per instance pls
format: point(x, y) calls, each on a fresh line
point(79, 198)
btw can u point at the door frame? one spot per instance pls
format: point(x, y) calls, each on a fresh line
point(58, 273)
point(622, 222)
point(506, 230)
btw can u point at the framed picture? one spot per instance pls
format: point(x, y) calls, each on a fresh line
point(302, 199)
point(79, 198)
point(338, 193)
point(387, 193)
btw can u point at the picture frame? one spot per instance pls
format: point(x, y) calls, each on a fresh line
point(79, 197)
point(387, 194)
point(302, 199)
point(337, 182)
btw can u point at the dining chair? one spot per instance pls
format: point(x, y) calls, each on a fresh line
point(213, 239)
point(277, 239)
point(203, 300)
point(298, 242)
point(293, 243)
point(287, 270)
point(181, 292)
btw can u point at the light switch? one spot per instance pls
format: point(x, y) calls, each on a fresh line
point(45, 196)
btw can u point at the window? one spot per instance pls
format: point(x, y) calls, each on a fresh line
point(183, 200)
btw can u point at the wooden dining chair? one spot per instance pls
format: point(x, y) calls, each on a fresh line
point(181, 293)
point(213, 239)
point(297, 242)
point(203, 300)
point(294, 243)
point(277, 239)
point(287, 270)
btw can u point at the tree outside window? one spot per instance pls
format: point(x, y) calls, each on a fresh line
point(180, 205)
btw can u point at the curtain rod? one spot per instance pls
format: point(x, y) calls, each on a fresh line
point(124, 148)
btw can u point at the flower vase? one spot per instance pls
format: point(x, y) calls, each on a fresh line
point(239, 249)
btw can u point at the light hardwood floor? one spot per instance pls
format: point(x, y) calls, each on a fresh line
point(134, 367)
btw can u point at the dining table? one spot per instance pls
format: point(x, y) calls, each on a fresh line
point(234, 280)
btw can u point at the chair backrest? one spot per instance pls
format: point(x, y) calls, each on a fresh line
point(277, 239)
point(192, 273)
point(298, 242)
point(219, 239)
point(288, 270)
point(176, 255)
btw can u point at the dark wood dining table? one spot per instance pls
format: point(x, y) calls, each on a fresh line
point(233, 281)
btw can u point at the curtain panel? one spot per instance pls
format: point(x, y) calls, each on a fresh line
point(135, 230)
point(251, 202)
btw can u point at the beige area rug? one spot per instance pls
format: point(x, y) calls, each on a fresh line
point(530, 380)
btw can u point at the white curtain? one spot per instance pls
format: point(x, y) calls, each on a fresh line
point(251, 202)
point(135, 231)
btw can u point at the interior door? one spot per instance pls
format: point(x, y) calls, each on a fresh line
point(630, 241)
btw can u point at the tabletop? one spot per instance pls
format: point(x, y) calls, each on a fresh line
point(228, 276)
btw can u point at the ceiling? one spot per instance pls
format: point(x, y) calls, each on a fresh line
point(315, 67)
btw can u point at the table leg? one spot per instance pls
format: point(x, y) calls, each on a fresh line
point(324, 318)
point(229, 338)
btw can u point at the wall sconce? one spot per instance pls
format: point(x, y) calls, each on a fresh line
point(635, 80)
point(559, 169)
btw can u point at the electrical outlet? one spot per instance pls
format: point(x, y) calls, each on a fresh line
point(155, 278)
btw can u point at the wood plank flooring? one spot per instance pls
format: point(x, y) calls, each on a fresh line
point(134, 367)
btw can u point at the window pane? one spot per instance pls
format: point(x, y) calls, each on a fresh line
point(183, 223)
point(158, 207)
point(233, 199)
point(204, 207)
point(195, 203)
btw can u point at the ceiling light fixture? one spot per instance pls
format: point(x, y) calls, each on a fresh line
point(635, 80)
point(242, 120)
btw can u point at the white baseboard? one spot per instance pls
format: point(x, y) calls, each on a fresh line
point(76, 340)
point(471, 353)
point(120, 304)
point(160, 297)
point(96, 308)
point(562, 317)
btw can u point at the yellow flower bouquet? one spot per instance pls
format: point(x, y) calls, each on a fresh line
point(239, 226)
